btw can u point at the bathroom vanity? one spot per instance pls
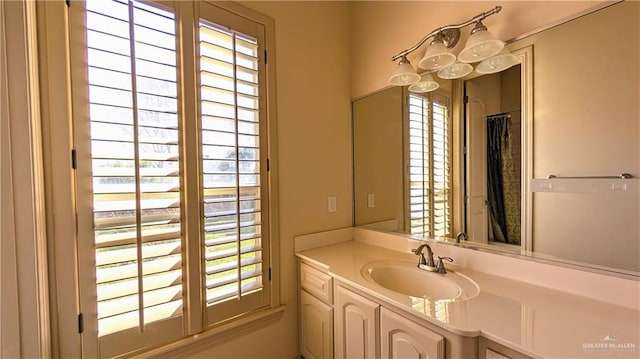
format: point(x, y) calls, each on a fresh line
point(348, 310)
point(354, 324)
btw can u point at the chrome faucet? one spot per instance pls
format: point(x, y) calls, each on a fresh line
point(462, 235)
point(428, 263)
point(425, 263)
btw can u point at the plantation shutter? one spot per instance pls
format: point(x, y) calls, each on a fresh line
point(170, 137)
point(441, 162)
point(429, 165)
point(419, 153)
point(135, 173)
point(232, 168)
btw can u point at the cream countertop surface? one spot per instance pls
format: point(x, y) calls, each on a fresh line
point(534, 320)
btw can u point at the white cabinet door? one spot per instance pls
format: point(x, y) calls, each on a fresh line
point(316, 328)
point(401, 338)
point(355, 325)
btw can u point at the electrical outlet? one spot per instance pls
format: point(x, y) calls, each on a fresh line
point(332, 204)
point(371, 200)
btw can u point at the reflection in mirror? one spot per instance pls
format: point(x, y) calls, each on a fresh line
point(428, 156)
point(493, 158)
point(402, 161)
point(585, 122)
point(378, 159)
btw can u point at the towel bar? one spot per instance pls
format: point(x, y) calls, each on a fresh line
point(622, 176)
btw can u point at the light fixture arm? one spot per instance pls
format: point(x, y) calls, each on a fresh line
point(433, 33)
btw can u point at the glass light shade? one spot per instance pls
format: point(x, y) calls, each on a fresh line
point(405, 74)
point(426, 84)
point(480, 45)
point(436, 57)
point(455, 71)
point(502, 61)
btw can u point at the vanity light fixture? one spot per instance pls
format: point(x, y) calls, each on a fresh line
point(426, 84)
point(455, 71)
point(481, 46)
point(438, 54)
point(502, 61)
point(405, 74)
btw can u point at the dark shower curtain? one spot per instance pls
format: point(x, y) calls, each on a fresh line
point(497, 138)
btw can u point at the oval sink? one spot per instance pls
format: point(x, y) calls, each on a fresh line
point(406, 278)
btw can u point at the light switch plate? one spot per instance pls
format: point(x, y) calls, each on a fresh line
point(371, 200)
point(332, 204)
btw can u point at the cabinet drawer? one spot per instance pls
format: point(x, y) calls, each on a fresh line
point(317, 283)
point(492, 350)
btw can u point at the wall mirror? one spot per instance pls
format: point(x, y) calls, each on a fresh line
point(583, 121)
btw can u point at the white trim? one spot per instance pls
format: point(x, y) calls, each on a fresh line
point(225, 332)
point(457, 155)
point(190, 166)
point(525, 57)
point(56, 120)
point(24, 170)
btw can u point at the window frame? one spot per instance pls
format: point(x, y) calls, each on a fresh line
point(57, 81)
point(208, 12)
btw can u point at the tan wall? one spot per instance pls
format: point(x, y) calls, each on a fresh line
point(382, 29)
point(314, 140)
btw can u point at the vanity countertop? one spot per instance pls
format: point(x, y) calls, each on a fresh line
point(537, 321)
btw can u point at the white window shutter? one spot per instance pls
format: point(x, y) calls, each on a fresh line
point(429, 165)
point(135, 163)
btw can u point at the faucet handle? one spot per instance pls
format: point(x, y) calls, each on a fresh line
point(440, 266)
point(418, 252)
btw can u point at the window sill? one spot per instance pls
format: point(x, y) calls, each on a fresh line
point(224, 332)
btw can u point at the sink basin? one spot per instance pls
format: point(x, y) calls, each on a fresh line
point(406, 278)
